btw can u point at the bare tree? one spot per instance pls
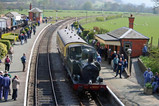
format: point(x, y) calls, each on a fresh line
point(156, 6)
point(1, 7)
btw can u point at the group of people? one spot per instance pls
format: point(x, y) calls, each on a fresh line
point(24, 36)
point(5, 82)
point(44, 20)
point(118, 61)
point(6, 77)
point(8, 62)
point(150, 78)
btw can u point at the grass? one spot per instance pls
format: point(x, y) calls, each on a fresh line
point(146, 25)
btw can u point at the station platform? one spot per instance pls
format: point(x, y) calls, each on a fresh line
point(16, 68)
point(129, 90)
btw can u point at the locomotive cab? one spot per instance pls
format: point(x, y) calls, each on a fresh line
point(73, 56)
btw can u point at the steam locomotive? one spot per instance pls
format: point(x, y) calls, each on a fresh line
point(79, 59)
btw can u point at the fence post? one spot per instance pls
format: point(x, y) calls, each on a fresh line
point(158, 43)
point(151, 43)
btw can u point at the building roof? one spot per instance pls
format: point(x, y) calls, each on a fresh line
point(106, 37)
point(4, 18)
point(1, 19)
point(126, 33)
point(36, 10)
point(67, 36)
point(13, 14)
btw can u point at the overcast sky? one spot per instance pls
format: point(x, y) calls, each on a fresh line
point(148, 3)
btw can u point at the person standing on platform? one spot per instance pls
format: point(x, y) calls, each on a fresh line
point(7, 63)
point(34, 30)
point(109, 56)
point(23, 60)
point(1, 85)
point(99, 59)
point(6, 86)
point(15, 86)
point(120, 67)
point(148, 75)
point(144, 50)
point(115, 63)
point(38, 23)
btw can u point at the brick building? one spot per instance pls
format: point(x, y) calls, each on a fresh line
point(123, 38)
point(35, 14)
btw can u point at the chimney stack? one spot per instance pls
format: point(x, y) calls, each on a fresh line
point(30, 6)
point(131, 21)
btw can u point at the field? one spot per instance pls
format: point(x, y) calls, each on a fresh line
point(144, 24)
point(63, 13)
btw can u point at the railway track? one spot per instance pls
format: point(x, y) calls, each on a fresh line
point(44, 84)
point(51, 85)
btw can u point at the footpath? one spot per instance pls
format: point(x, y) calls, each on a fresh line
point(128, 90)
point(16, 68)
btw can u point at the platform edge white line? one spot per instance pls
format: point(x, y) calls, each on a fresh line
point(29, 63)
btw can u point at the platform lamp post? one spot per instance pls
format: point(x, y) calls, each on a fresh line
point(129, 51)
point(56, 15)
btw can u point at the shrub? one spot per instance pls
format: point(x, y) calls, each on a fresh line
point(11, 38)
point(148, 85)
point(152, 60)
point(6, 42)
point(102, 31)
point(23, 32)
point(26, 29)
point(3, 50)
point(75, 24)
point(6, 34)
point(36, 24)
point(100, 19)
point(91, 34)
point(113, 16)
point(85, 32)
point(96, 29)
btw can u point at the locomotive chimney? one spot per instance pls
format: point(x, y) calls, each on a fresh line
point(90, 57)
point(131, 21)
point(30, 6)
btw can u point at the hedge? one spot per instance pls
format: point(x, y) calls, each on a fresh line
point(75, 24)
point(152, 60)
point(113, 16)
point(7, 43)
point(11, 38)
point(27, 29)
point(85, 32)
point(100, 19)
point(6, 34)
point(3, 50)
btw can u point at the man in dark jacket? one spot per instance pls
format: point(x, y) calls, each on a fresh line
point(23, 60)
point(120, 67)
point(6, 86)
point(1, 85)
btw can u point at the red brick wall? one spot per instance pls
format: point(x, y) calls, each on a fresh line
point(137, 46)
point(30, 16)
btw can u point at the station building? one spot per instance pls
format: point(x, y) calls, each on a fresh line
point(124, 38)
point(35, 14)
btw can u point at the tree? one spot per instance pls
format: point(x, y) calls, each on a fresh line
point(87, 6)
point(1, 8)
